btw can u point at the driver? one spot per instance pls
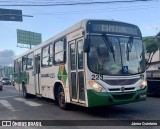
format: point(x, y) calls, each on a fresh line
point(103, 56)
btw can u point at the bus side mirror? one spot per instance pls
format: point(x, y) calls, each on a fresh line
point(86, 47)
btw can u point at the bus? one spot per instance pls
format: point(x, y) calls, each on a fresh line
point(92, 63)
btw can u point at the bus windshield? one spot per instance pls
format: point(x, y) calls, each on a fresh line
point(116, 55)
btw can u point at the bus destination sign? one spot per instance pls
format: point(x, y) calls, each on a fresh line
point(117, 28)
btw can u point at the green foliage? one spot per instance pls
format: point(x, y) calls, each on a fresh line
point(151, 48)
point(151, 45)
point(158, 42)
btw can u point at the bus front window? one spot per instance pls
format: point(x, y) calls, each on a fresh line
point(102, 60)
point(133, 58)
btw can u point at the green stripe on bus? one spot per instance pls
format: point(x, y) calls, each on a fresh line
point(104, 98)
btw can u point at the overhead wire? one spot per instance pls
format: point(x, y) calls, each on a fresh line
point(144, 6)
point(74, 3)
point(85, 11)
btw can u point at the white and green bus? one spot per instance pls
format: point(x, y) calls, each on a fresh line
point(93, 63)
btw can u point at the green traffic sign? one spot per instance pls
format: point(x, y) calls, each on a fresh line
point(27, 37)
point(10, 15)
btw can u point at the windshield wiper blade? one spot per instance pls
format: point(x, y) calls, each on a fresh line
point(130, 43)
point(129, 46)
point(108, 44)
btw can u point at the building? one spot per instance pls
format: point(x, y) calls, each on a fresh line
point(153, 72)
point(6, 72)
point(155, 64)
point(1, 71)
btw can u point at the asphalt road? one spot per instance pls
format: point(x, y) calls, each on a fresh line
point(14, 107)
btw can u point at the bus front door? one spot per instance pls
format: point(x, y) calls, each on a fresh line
point(76, 55)
point(37, 74)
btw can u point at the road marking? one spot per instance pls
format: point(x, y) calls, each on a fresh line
point(9, 96)
point(20, 99)
point(7, 105)
point(30, 103)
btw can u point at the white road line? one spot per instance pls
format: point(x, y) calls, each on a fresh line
point(20, 99)
point(9, 96)
point(7, 105)
point(30, 103)
point(34, 104)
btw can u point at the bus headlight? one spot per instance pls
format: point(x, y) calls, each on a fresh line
point(97, 87)
point(143, 84)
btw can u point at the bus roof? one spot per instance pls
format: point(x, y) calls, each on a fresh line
point(71, 29)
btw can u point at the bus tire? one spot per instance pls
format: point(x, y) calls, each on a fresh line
point(61, 99)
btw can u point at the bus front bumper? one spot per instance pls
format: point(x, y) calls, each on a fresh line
point(105, 98)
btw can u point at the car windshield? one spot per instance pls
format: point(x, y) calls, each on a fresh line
point(126, 57)
point(5, 79)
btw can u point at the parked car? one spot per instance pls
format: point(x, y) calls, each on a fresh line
point(1, 85)
point(6, 81)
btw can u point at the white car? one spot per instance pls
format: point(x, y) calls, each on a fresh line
point(6, 81)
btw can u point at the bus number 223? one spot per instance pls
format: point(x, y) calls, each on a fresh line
point(97, 77)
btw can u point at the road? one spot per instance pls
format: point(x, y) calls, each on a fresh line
point(14, 107)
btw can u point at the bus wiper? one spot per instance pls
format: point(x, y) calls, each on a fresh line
point(109, 45)
point(129, 46)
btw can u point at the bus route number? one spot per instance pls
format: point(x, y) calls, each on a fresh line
point(97, 77)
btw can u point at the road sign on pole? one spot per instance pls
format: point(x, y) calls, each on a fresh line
point(10, 15)
point(28, 38)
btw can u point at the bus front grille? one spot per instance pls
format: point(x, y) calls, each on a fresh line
point(119, 89)
point(121, 81)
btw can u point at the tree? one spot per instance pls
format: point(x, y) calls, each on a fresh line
point(151, 48)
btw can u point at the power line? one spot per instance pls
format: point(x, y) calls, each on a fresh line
point(76, 3)
point(99, 10)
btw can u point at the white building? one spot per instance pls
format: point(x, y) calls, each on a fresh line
point(155, 64)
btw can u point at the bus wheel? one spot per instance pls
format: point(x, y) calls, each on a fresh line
point(61, 99)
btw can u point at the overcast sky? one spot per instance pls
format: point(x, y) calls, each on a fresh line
point(51, 20)
point(7, 57)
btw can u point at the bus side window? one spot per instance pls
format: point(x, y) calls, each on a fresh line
point(37, 64)
point(80, 54)
point(30, 61)
point(60, 52)
point(47, 55)
point(50, 54)
point(24, 63)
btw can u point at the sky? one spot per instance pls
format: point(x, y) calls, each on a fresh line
point(51, 20)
